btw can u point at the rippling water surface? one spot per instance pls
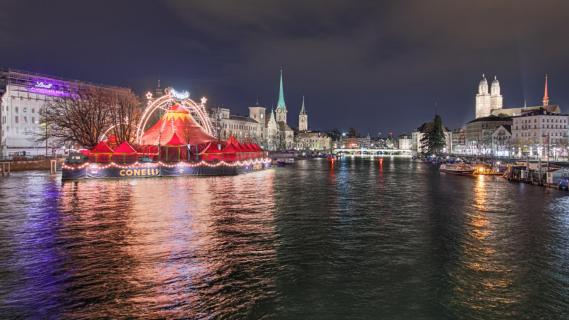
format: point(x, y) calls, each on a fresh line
point(364, 240)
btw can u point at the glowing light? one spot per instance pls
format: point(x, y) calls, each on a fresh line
point(204, 100)
point(180, 95)
point(45, 85)
point(47, 89)
point(198, 112)
point(149, 95)
point(239, 163)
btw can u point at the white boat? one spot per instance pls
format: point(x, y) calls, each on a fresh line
point(457, 168)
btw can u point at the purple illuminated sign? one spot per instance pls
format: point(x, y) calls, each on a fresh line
point(46, 87)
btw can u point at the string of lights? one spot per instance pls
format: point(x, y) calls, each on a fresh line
point(95, 166)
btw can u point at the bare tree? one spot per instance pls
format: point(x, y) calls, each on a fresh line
point(125, 112)
point(85, 115)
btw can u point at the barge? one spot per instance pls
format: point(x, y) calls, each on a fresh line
point(146, 170)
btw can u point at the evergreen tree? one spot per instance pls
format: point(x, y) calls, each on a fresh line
point(434, 136)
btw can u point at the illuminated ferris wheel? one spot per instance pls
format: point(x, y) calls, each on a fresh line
point(170, 98)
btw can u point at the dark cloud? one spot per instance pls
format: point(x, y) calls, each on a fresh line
point(378, 66)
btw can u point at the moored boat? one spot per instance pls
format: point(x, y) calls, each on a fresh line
point(457, 168)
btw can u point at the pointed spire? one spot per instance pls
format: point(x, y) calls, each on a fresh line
point(281, 104)
point(302, 109)
point(546, 93)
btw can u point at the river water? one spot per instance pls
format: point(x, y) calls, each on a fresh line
point(396, 240)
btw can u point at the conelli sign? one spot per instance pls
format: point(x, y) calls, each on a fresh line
point(139, 172)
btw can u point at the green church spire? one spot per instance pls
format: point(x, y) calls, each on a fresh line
point(281, 104)
point(302, 109)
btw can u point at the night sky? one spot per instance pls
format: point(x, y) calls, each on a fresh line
point(376, 66)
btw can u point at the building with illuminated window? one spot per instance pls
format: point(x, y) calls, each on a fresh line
point(23, 95)
point(405, 142)
point(265, 127)
point(533, 133)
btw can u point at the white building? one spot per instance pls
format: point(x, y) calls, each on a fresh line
point(405, 142)
point(486, 101)
point(533, 133)
point(501, 141)
point(22, 97)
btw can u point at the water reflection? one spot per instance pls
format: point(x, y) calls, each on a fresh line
point(362, 239)
point(166, 248)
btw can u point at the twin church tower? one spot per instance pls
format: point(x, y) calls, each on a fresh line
point(281, 111)
point(486, 101)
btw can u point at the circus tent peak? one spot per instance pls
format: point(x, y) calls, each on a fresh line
point(125, 148)
point(175, 140)
point(102, 147)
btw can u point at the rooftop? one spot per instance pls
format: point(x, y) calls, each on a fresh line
point(491, 118)
point(540, 112)
point(242, 118)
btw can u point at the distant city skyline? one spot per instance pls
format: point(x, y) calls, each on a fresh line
point(359, 65)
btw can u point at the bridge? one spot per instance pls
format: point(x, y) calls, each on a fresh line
point(372, 152)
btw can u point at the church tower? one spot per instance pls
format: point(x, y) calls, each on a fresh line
point(545, 94)
point(496, 99)
point(483, 99)
point(303, 118)
point(281, 106)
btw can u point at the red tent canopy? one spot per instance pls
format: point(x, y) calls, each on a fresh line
point(102, 147)
point(175, 140)
point(176, 120)
point(149, 149)
point(232, 140)
point(241, 147)
point(250, 147)
point(125, 148)
point(211, 148)
point(230, 148)
point(212, 152)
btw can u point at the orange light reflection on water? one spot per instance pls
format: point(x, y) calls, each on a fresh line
point(180, 240)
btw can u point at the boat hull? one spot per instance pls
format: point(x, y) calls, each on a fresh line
point(458, 172)
point(100, 171)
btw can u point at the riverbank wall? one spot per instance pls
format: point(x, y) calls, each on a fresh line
point(29, 165)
